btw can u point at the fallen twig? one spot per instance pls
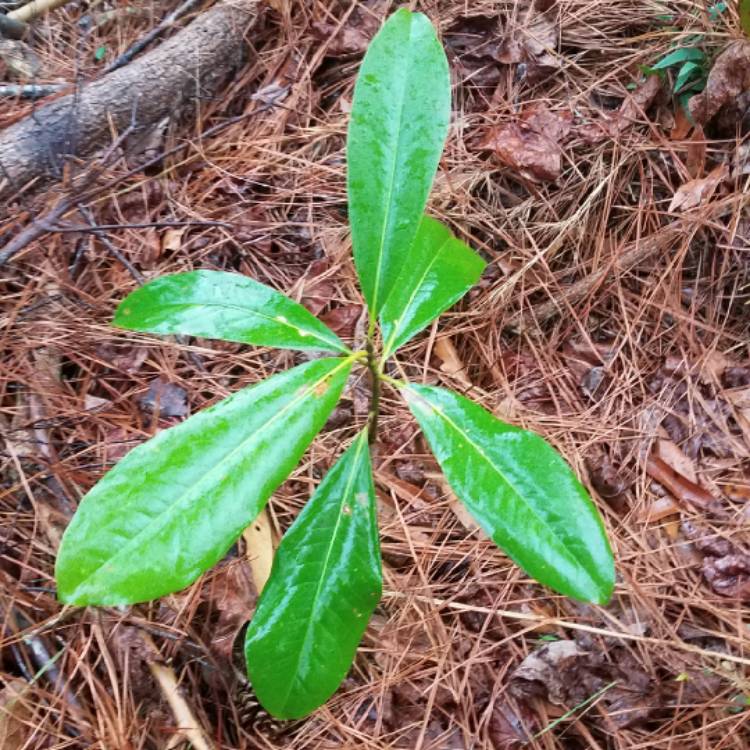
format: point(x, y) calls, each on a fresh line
point(35, 8)
point(31, 90)
point(187, 724)
point(141, 44)
point(11, 28)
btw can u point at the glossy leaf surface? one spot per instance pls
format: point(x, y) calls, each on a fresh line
point(441, 269)
point(174, 505)
point(220, 305)
point(521, 492)
point(679, 56)
point(399, 121)
point(325, 583)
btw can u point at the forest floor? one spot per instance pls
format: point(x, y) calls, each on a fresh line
point(612, 318)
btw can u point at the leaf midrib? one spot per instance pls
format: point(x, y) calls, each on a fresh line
point(160, 519)
point(504, 478)
point(250, 311)
point(324, 570)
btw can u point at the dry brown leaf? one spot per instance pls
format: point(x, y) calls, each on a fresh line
point(729, 77)
point(681, 125)
point(696, 152)
point(661, 508)
point(738, 492)
point(231, 591)
point(508, 728)
point(341, 320)
point(172, 238)
point(15, 715)
point(681, 487)
point(630, 112)
point(567, 674)
point(166, 399)
point(260, 545)
point(531, 38)
point(351, 39)
point(729, 575)
point(452, 364)
point(550, 666)
point(531, 145)
point(671, 454)
point(696, 192)
point(532, 155)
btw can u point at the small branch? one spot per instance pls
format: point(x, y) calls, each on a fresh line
point(111, 249)
point(35, 8)
point(187, 724)
point(11, 28)
point(31, 90)
point(35, 229)
point(142, 43)
point(72, 228)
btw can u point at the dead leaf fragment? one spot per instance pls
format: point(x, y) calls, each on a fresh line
point(232, 593)
point(452, 364)
point(15, 715)
point(661, 508)
point(729, 77)
point(172, 239)
point(351, 39)
point(567, 674)
point(550, 667)
point(679, 486)
point(531, 145)
point(725, 565)
point(695, 192)
point(341, 320)
point(531, 38)
point(260, 541)
point(630, 112)
point(508, 728)
point(671, 453)
point(729, 575)
point(167, 399)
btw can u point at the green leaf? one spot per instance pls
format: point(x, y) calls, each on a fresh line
point(744, 10)
point(687, 72)
point(397, 130)
point(174, 505)
point(220, 305)
point(679, 56)
point(715, 11)
point(325, 583)
point(521, 492)
point(440, 271)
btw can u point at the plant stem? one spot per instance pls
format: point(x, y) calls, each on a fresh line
point(372, 366)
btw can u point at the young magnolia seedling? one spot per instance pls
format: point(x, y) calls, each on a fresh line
point(173, 506)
